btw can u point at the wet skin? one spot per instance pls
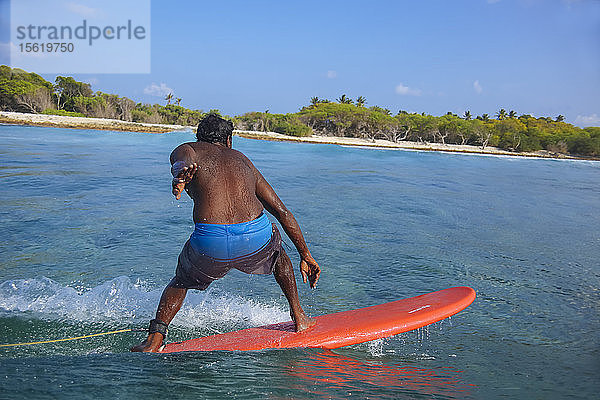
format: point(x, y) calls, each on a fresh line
point(227, 189)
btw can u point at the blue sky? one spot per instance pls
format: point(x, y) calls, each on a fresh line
point(540, 57)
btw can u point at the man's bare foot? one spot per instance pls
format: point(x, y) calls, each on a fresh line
point(303, 322)
point(151, 345)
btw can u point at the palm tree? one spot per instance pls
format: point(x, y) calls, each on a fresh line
point(266, 121)
point(512, 114)
point(344, 100)
point(382, 110)
point(178, 100)
point(314, 101)
point(169, 97)
point(361, 101)
point(467, 115)
point(560, 118)
point(484, 117)
point(501, 114)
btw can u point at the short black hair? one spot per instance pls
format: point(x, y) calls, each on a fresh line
point(214, 129)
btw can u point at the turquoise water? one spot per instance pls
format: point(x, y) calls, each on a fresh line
point(90, 235)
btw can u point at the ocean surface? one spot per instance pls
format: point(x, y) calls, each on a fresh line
point(90, 234)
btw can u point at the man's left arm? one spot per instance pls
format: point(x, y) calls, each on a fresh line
point(308, 266)
point(183, 168)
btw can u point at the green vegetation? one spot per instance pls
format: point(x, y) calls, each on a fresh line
point(21, 91)
point(287, 124)
point(508, 131)
point(62, 113)
point(28, 92)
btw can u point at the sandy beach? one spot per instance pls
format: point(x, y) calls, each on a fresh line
point(59, 121)
point(125, 126)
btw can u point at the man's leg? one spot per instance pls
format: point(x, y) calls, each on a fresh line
point(170, 302)
point(284, 275)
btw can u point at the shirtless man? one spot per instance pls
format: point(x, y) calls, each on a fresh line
point(231, 229)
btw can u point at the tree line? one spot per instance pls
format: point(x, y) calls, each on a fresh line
point(506, 130)
point(28, 92)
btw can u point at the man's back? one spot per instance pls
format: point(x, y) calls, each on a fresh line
point(224, 185)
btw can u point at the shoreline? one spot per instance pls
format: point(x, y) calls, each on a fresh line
point(402, 145)
point(59, 121)
point(105, 124)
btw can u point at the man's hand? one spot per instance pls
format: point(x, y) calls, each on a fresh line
point(183, 177)
point(310, 270)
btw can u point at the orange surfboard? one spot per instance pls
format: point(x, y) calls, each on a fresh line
point(342, 328)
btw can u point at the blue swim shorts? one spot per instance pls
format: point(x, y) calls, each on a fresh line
point(230, 241)
point(214, 249)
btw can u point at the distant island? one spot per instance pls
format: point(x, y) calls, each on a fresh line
point(343, 121)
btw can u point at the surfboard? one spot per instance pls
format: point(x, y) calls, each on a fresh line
point(340, 329)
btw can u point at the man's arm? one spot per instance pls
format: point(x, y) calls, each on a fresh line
point(273, 204)
point(183, 168)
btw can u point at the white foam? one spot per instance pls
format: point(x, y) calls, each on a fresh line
point(203, 309)
point(122, 301)
point(376, 347)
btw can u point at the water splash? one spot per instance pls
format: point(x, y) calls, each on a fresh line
point(376, 347)
point(123, 301)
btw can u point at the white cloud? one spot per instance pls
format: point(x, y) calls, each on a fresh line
point(477, 87)
point(406, 91)
point(157, 90)
point(331, 74)
point(82, 10)
point(588, 120)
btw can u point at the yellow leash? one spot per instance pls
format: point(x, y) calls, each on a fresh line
point(66, 339)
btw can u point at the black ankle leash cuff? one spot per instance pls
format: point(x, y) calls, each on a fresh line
point(156, 325)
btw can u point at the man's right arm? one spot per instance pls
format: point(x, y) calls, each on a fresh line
point(183, 168)
point(273, 204)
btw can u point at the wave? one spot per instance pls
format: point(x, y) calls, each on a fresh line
point(127, 302)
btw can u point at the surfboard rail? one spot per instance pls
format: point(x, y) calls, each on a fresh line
point(342, 328)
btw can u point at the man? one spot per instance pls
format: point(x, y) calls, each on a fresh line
point(231, 229)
